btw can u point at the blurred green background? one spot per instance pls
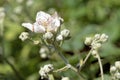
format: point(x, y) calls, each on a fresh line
point(82, 17)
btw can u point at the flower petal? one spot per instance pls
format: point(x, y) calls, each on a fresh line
point(28, 26)
point(42, 16)
point(38, 28)
point(56, 19)
point(56, 22)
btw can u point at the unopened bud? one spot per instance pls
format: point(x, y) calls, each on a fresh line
point(88, 41)
point(43, 55)
point(96, 45)
point(97, 36)
point(23, 36)
point(94, 53)
point(112, 69)
point(48, 35)
point(117, 64)
point(59, 38)
point(117, 75)
point(44, 50)
point(104, 38)
point(65, 33)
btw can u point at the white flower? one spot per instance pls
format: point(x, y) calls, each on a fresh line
point(23, 36)
point(65, 78)
point(48, 35)
point(88, 40)
point(65, 33)
point(45, 70)
point(59, 38)
point(44, 23)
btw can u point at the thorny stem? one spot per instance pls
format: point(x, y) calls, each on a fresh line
point(101, 68)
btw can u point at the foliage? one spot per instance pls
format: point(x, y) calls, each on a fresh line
point(82, 17)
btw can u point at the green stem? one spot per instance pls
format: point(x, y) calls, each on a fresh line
point(86, 58)
point(50, 77)
point(57, 48)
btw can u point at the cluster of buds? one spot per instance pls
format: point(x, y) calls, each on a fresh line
point(115, 71)
point(96, 42)
point(44, 71)
point(63, 35)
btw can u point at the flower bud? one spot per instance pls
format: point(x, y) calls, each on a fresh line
point(65, 78)
point(117, 64)
point(43, 55)
point(45, 70)
point(43, 50)
point(88, 41)
point(48, 35)
point(65, 33)
point(94, 53)
point(96, 45)
point(104, 38)
point(112, 69)
point(97, 36)
point(59, 38)
point(23, 36)
point(117, 75)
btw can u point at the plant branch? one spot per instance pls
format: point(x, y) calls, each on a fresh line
point(86, 58)
point(101, 68)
